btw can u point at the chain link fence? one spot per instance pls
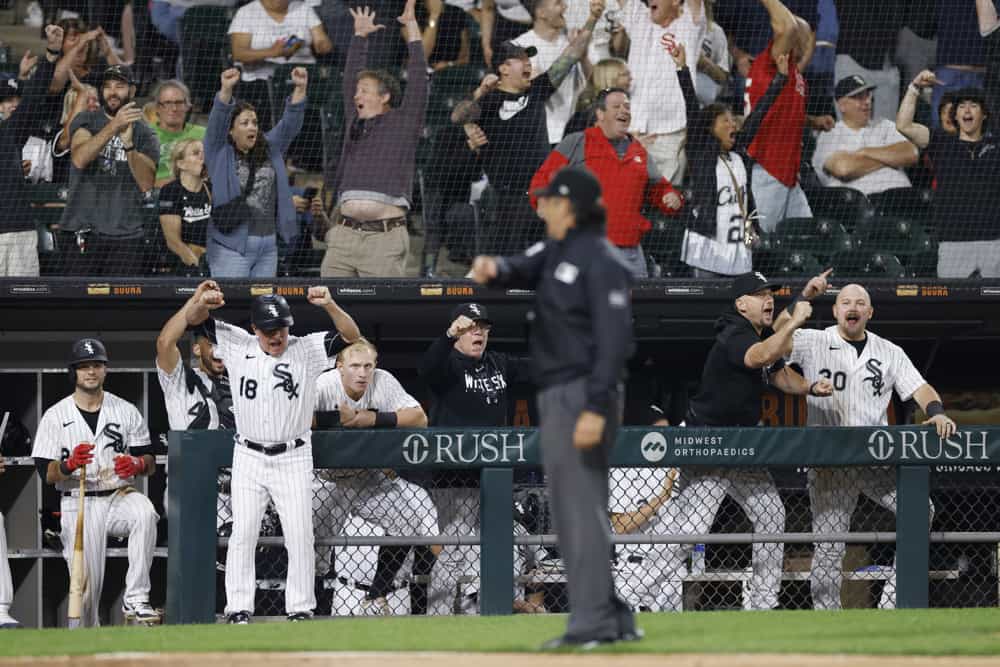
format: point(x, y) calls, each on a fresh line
point(782, 538)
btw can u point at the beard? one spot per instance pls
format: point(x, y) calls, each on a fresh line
point(108, 110)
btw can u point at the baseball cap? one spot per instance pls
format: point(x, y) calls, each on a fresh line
point(9, 88)
point(119, 72)
point(509, 50)
point(474, 311)
point(852, 85)
point(576, 184)
point(753, 281)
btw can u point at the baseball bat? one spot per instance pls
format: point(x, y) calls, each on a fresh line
point(76, 573)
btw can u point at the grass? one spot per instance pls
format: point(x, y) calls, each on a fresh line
point(902, 632)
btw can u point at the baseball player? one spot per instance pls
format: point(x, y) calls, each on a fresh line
point(369, 397)
point(471, 387)
point(639, 504)
point(273, 375)
point(746, 356)
point(6, 582)
point(95, 428)
point(864, 369)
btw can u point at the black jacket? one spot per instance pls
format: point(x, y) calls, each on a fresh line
point(36, 108)
point(583, 311)
point(730, 392)
point(469, 391)
point(701, 186)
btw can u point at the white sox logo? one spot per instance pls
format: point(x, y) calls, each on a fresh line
point(89, 347)
point(874, 366)
point(287, 381)
point(272, 310)
point(113, 433)
point(474, 309)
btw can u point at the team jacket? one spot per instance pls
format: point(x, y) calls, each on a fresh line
point(627, 183)
point(583, 311)
point(703, 150)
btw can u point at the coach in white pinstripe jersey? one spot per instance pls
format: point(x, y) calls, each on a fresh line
point(864, 369)
point(369, 397)
point(273, 376)
point(106, 433)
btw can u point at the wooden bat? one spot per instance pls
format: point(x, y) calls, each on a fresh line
point(77, 577)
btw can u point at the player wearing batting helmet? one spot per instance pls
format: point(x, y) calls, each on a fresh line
point(102, 437)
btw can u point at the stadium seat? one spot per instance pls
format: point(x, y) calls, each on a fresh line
point(911, 203)
point(862, 263)
point(902, 237)
point(845, 205)
point(324, 113)
point(662, 244)
point(447, 88)
point(781, 263)
point(820, 237)
point(204, 50)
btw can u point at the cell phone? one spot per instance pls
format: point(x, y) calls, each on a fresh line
point(293, 41)
point(310, 193)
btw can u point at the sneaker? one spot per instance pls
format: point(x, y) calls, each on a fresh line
point(140, 612)
point(375, 607)
point(299, 616)
point(632, 636)
point(238, 618)
point(8, 622)
point(565, 643)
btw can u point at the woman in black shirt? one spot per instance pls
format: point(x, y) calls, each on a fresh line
point(186, 206)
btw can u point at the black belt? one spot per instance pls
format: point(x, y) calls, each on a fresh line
point(373, 225)
point(92, 494)
point(272, 450)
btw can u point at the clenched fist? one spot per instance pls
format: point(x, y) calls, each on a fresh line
point(319, 296)
point(81, 456)
point(129, 466)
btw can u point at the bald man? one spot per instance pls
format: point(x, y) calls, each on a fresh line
point(864, 369)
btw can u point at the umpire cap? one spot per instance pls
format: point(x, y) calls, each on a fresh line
point(87, 349)
point(270, 312)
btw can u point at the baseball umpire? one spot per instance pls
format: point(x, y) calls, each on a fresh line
point(746, 356)
point(581, 339)
point(274, 394)
point(864, 369)
point(95, 428)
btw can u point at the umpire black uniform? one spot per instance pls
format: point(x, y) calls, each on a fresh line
point(581, 339)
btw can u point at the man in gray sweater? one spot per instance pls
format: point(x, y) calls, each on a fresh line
point(375, 177)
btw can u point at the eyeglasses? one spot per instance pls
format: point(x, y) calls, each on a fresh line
point(173, 104)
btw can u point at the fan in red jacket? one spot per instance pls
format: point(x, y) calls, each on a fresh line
point(628, 177)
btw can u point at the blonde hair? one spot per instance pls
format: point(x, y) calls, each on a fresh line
point(603, 75)
point(69, 99)
point(177, 154)
point(358, 345)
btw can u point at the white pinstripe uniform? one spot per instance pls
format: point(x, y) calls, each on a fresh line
point(863, 386)
point(120, 511)
point(273, 403)
point(641, 568)
point(190, 407)
point(398, 506)
point(6, 582)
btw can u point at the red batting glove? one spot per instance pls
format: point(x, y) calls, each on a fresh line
point(81, 456)
point(129, 466)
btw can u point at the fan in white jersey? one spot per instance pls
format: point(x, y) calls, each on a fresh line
point(273, 375)
point(369, 397)
point(864, 369)
point(108, 435)
point(6, 582)
point(639, 504)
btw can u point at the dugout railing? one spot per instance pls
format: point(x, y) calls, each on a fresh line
point(196, 457)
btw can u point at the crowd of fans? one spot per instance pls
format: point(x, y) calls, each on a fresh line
point(843, 164)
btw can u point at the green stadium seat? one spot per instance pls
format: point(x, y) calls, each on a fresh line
point(782, 263)
point(862, 263)
point(847, 206)
point(820, 237)
point(911, 203)
point(902, 237)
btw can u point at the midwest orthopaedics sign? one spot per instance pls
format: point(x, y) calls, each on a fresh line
point(925, 445)
point(465, 448)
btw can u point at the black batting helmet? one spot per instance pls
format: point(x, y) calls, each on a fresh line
point(270, 312)
point(84, 350)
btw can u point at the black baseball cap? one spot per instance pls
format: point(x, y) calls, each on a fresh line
point(753, 281)
point(852, 85)
point(119, 72)
point(9, 88)
point(509, 50)
point(474, 311)
point(576, 184)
